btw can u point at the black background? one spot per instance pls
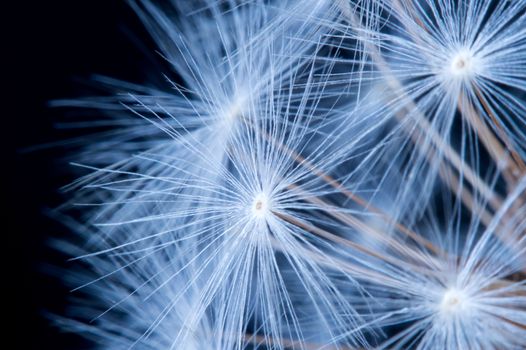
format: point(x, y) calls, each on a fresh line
point(51, 48)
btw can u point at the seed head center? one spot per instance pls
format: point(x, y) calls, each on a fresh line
point(463, 64)
point(453, 301)
point(260, 206)
point(460, 63)
point(236, 109)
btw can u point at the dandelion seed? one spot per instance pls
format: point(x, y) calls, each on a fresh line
point(441, 60)
point(462, 296)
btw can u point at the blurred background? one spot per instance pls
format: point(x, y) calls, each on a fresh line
point(53, 47)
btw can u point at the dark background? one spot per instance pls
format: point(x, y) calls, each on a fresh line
point(51, 48)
